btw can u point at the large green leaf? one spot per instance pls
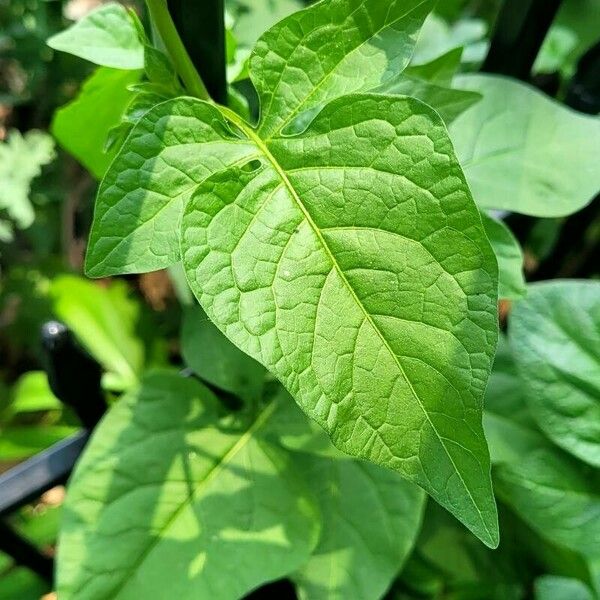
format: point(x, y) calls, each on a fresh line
point(171, 501)
point(325, 295)
point(557, 496)
point(350, 259)
point(526, 153)
point(358, 556)
point(555, 336)
point(106, 36)
point(82, 126)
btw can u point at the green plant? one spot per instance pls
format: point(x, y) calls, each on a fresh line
point(348, 265)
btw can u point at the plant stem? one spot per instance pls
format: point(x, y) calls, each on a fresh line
point(159, 13)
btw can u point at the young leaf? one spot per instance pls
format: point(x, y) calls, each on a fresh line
point(169, 501)
point(358, 556)
point(309, 264)
point(555, 336)
point(106, 36)
point(551, 587)
point(556, 497)
point(333, 49)
point(511, 143)
point(511, 281)
point(82, 126)
point(216, 360)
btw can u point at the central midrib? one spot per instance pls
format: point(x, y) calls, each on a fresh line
point(247, 130)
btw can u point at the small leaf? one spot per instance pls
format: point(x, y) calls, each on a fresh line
point(371, 519)
point(555, 336)
point(555, 496)
point(216, 360)
point(511, 281)
point(309, 263)
point(513, 158)
point(82, 126)
point(106, 36)
point(171, 501)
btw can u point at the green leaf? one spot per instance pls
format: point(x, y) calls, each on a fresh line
point(311, 290)
point(555, 334)
point(431, 83)
point(509, 427)
point(556, 496)
point(371, 519)
point(82, 126)
point(332, 49)
point(511, 281)
point(21, 160)
point(104, 320)
point(216, 360)
point(350, 260)
point(171, 501)
point(106, 36)
point(551, 587)
point(515, 160)
point(32, 394)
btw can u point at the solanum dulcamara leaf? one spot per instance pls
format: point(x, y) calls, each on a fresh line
point(336, 242)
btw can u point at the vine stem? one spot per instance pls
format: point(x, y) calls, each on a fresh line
point(159, 13)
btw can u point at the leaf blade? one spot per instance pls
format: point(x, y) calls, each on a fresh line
point(269, 199)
